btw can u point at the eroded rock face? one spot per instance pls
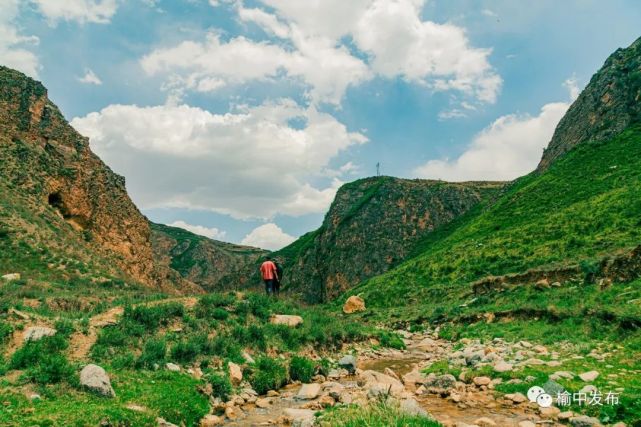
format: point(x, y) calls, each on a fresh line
point(608, 105)
point(96, 379)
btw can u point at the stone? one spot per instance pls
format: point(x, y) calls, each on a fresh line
point(413, 377)
point(309, 391)
point(211, 421)
point(263, 403)
point(248, 358)
point(172, 367)
point(479, 381)
point(588, 389)
point(526, 423)
point(354, 304)
point(412, 407)
point(235, 373)
point(584, 421)
point(348, 362)
point(550, 412)
point(378, 383)
point(565, 415)
point(589, 376)
point(273, 393)
point(485, 422)
point(34, 396)
point(286, 319)
point(553, 388)
point(35, 333)
point(300, 417)
point(516, 397)
point(11, 276)
point(427, 344)
point(164, 423)
point(326, 401)
point(96, 379)
point(345, 398)
point(503, 366)
point(232, 412)
point(439, 384)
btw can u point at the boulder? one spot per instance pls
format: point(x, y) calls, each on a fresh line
point(11, 276)
point(263, 403)
point(413, 377)
point(516, 397)
point(485, 422)
point(526, 423)
point(378, 383)
point(503, 366)
point(172, 367)
point(348, 362)
point(354, 304)
point(286, 319)
point(161, 422)
point(35, 333)
point(589, 376)
point(235, 373)
point(96, 379)
point(479, 381)
point(445, 381)
point(412, 407)
point(309, 391)
point(300, 417)
point(211, 421)
point(427, 344)
point(584, 421)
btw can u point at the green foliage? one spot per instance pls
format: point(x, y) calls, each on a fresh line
point(43, 360)
point(382, 414)
point(64, 327)
point(267, 374)
point(32, 352)
point(154, 352)
point(221, 386)
point(151, 317)
point(301, 369)
point(390, 340)
point(5, 330)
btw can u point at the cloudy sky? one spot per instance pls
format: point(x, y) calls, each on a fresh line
point(239, 119)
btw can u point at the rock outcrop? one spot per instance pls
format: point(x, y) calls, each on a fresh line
point(94, 378)
point(607, 106)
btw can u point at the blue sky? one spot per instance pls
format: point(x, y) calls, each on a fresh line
point(239, 119)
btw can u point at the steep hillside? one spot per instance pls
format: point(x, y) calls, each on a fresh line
point(608, 105)
point(61, 200)
point(208, 263)
point(372, 225)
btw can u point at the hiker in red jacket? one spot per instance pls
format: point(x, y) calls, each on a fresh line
point(270, 275)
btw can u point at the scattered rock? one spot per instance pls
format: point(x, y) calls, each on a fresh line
point(503, 366)
point(96, 379)
point(300, 417)
point(413, 377)
point(479, 381)
point(348, 362)
point(235, 373)
point(11, 276)
point(354, 304)
point(584, 421)
point(589, 376)
point(550, 412)
point(172, 367)
point(485, 422)
point(263, 403)
point(378, 383)
point(516, 397)
point(211, 421)
point(309, 391)
point(286, 319)
point(232, 412)
point(35, 333)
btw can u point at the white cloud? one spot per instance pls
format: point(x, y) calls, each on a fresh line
point(81, 11)
point(12, 44)
point(268, 236)
point(312, 48)
point(510, 147)
point(249, 163)
point(212, 233)
point(90, 78)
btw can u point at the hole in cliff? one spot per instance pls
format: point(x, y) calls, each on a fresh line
point(78, 222)
point(55, 200)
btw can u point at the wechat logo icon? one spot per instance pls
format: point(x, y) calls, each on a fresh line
point(538, 395)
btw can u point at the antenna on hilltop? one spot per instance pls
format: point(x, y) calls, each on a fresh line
point(378, 169)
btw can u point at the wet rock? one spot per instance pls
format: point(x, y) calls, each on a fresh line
point(35, 333)
point(354, 304)
point(309, 391)
point(96, 379)
point(584, 421)
point(172, 367)
point(211, 421)
point(348, 362)
point(285, 319)
point(235, 373)
point(589, 376)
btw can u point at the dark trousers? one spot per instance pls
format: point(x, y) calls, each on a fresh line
point(269, 286)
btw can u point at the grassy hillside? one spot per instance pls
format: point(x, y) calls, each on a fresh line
point(585, 206)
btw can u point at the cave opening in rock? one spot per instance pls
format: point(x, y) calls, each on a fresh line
point(55, 200)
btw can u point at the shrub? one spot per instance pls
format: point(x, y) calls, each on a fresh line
point(153, 352)
point(226, 347)
point(151, 317)
point(220, 384)
point(185, 351)
point(112, 337)
point(5, 330)
point(50, 369)
point(267, 374)
point(127, 360)
point(32, 352)
point(301, 369)
point(391, 340)
point(259, 306)
point(219, 313)
point(65, 327)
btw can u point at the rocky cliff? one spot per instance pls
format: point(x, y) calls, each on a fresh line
point(49, 172)
point(208, 263)
point(607, 106)
point(372, 225)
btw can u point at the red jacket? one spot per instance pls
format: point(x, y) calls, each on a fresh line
point(268, 270)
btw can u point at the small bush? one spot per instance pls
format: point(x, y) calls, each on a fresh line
point(219, 314)
point(226, 347)
point(185, 351)
point(151, 317)
point(154, 351)
point(50, 369)
point(127, 360)
point(301, 369)
point(32, 352)
point(112, 337)
point(390, 340)
point(267, 374)
point(259, 306)
point(5, 330)
point(221, 386)
point(65, 327)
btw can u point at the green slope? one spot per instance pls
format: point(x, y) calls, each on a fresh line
point(588, 204)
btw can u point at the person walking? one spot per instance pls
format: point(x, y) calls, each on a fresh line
point(279, 276)
point(270, 274)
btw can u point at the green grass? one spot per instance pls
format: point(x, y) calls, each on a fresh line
point(375, 415)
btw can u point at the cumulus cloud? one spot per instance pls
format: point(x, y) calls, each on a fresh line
point(90, 78)
point(510, 147)
point(81, 11)
point(212, 233)
point(390, 36)
point(268, 236)
point(13, 52)
point(249, 163)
